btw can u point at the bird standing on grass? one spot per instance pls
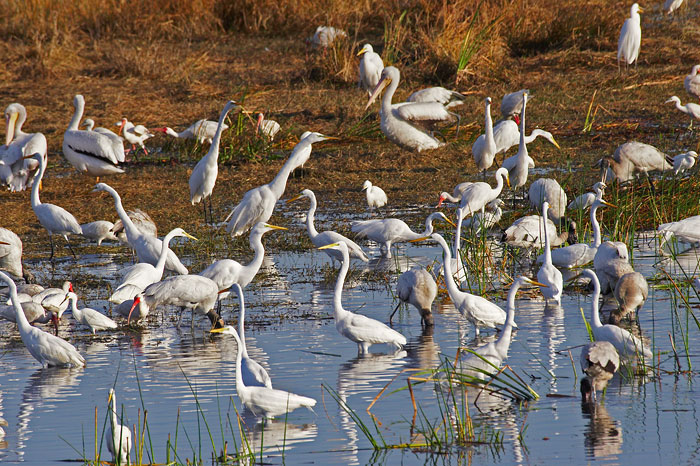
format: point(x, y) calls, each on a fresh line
point(371, 66)
point(630, 38)
point(376, 197)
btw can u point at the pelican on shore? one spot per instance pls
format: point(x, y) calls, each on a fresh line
point(15, 171)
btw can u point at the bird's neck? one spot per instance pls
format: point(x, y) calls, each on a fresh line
point(241, 327)
point(37, 182)
point(596, 227)
point(547, 246)
point(250, 269)
point(503, 342)
point(77, 313)
point(388, 96)
point(172, 132)
point(338, 310)
point(20, 318)
point(160, 265)
point(296, 159)
point(213, 154)
point(310, 227)
point(595, 316)
point(490, 142)
point(452, 287)
point(77, 116)
point(131, 230)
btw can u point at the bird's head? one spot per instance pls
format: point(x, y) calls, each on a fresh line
point(70, 295)
point(314, 137)
point(121, 125)
point(488, 100)
point(673, 99)
point(305, 193)
point(366, 185)
point(366, 48)
point(181, 232)
point(388, 74)
point(137, 300)
point(443, 196)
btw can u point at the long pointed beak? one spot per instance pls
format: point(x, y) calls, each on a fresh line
point(420, 239)
point(10, 122)
point(133, 306)
point(297, 197)
point(189, 236)
point(449, 221)
point(4, 243)
point(54, 320)
point(121, 127)
point(377, 90)
point(555, 143)
point(217, 330)
point(508, 180)
point(533, 282)
point(607, 203)
point(275, 227)
point(328, 246)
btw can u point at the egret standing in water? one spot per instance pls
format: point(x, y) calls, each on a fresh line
point(90, 317)
point(548, 274)
point(119, 440)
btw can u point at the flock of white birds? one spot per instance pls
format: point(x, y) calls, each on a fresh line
point(412, 125)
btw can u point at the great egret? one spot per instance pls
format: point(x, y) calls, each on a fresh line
point(201, 130)
point(55, 219)
point(376, 197)
point(489, 218)
point(147, 247)
point(118, 436)
point(690, 109)
point(326, 35)
point(90, 317)
point(484, 150)
point(692, 82)
point(513, 103)
point(548, 189)
point(586, 200)
point(631, 292)
point(253, 374)
point(519, 164)
point(526, 232)
point(630, 37)
point(361, 329)
point(226, 272)
point(135, 135)
point(387, 231)
point(683, 162)
point(268, 128)
point(48, 349)
point(203, 177)
point(633, 158)
point(258, 204)
point(548, 274)
point(671, 5)
point(478, 310)
point(496, 351)
point(10, 252)
point(99, 231)
point(187, 291)
point(477, 195)
point(417, 286)
point(16, 172)
point(599, 361)
point(139, 276)
point(90, 151)
point(399, 122)
point(611, 261)
point(576, 255)
point(371, 66)
point(437, 94)
point(686, 230)
point(263, 401)
point(626, 344)
point(327, 237)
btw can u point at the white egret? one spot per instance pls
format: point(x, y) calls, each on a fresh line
point(90, 317)
point(327, 237)
point(10, 252)
point(268, 128)
point(258, 203)
point(456, 195)
point(691, 109)
point(141, 220)
point(376, 197)
point(363, 330)
point(139, 276)
point(477, 195)
point(55, 219)
point(252, 373)
point(506, 134)
point(99, 231)
point(203, 177)
point(371, 66)
point(527, 232)
point(48, 349)
point(672, 5)
point(16, 172)
point(134, 134)
point(460, 273)
point(519, 164)
point(548, 189)
point(599, 361)
point(633, 158)
point(631, 292)
point(147, 247)
point(326, 35)
point(576, 255)
point(512, 104)
point(201, 130)
point(496, 351)
point(387, 231)
point(484, 150)
point(548, 274)
point(686, 231)
point(263, 401)
point(437, 94)
point(119, 440)
point(399, 122)
point(692, 82)
point(611, 261)
point(626, 344)
point(586, 200)
point(417, 286)
point(683, 162)
point(489, 218)
point(89, 151)
point(478, 310)
point(188, 291)
point(630, 37)
point(226, 272)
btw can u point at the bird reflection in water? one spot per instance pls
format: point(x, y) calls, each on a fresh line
point(603, 435)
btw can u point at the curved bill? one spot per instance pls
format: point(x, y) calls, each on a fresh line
point(10, 125)
point(377, 90)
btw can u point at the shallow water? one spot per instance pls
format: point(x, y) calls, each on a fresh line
point(184, 379)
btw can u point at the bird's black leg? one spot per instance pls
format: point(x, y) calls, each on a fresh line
point(395, 309)
point(51, 242)
point(70, 247)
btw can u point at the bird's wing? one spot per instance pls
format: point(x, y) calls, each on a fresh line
point(254, 375)
point(96, 318)
point(361, 328)
point(53, 350)
point(57, 219)
point(247, 212)
point(276, 402)
point(423, 112)
point(506, 134)
point(91, 143)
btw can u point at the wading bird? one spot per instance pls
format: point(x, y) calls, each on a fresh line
point(548, 189)
point(586, 200)
point(630, 38)
point(90, 317)
point(456, 195)
point(599, 360)
point(692, 82)
point(477, 195)
point(417, 286)
point(118, 436)
point(611, 261)
point(376, 197)
point(135, 135)
point(15, 171)
point(201, 130)
point(99, 230)
point(371, 66)
point(691, 109)
point(633, 158)
point(631, 292)
point(683, 162)
point(506, 134)
point(437, 94)
point(512, 104)
point(519, 165)
point(187, 291)
point(527, 232)
point(484, 148)
point(268, 128)
point(548, 274)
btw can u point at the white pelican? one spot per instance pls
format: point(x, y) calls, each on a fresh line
point(631, 292)
point(484, 149)
point(399, 121)
point(253, 374)
point(99, 231)
point(10, 252)
point(690, 109)
point(477, 195)
point(48, 349)
point(489, 218)
point(268, 128)
point(117, 141)
point(548, 189)
point(417, 286)
point(692, 82)
point(496, 351)
point(119, 440)
point(55, 219)
point(576, 255)
point(586, 200)
point(611, 261)
point(147, 247)
point(437, 94)
point(371, 66)
point(548, 274)
point(16, 172)
point(626, 344)
point(134, 134)
point(89, 151)
point(478, 310)
point(392, 230)
point(263, 401)
point(327, 237)
point(326, 35)
point(672, 5)
point(519, 164)
point(599, 361)
point(632, 158)
point(376, 197)
point(456, 195)
point(139, 276)
point(90, 317)
point(527, 232)
point(204, 174)
point(512, 104)
point(630, 37)
point(226, 272)
point(258, 204)
point(201, 130)
point(683, 162)
point(189, 291)
point(355, 327)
